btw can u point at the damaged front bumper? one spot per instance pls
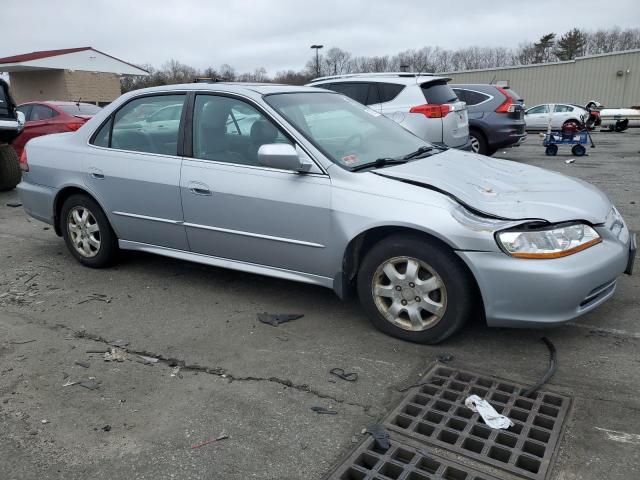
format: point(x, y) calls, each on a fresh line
point(524, 292)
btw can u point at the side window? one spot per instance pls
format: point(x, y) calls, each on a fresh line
point(539, 109)
point(26, 109)
point(229, 130)
point(474, 98)
point(373, 96)
point(356, 91)
point(136, 129)
point(41, 112)
point(563, 109)
point(389, 91)
point(101, 138)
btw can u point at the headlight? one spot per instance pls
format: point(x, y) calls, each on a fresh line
point(554, 242)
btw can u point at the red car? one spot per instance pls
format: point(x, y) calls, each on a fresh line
point(43, 118)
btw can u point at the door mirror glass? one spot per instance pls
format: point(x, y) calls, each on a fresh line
point(282, 156)
point(21, 118)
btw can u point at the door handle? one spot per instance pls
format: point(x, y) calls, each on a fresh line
point(198, 188)
point(96, 173)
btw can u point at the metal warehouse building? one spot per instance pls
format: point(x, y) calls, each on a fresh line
point(613, 79)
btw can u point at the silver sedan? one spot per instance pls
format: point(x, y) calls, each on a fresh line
point(310, 186)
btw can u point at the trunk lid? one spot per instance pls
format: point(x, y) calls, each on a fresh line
point(504, 188)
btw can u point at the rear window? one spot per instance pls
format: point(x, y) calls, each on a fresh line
point(438, 93)
point(82, 109)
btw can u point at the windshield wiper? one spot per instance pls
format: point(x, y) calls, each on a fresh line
point(418, 152)
point(379, 162)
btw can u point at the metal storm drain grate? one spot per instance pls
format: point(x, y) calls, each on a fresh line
point(435, 413)
point(401, 462)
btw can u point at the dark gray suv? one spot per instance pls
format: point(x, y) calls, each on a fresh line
point(496, 117)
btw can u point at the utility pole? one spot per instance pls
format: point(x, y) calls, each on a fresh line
point(317, 49)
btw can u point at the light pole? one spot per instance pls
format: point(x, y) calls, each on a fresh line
point(317, 49)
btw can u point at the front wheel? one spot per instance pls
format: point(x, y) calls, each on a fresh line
point(415, 289)
point(578, 150)
point(87, 232)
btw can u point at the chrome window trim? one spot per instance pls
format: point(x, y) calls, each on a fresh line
point(488, 95)
point(272, 115)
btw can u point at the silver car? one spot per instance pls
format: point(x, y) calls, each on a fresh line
point(423, 104)
point(308, 185)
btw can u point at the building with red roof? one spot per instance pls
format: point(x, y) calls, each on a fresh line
point(70, 74)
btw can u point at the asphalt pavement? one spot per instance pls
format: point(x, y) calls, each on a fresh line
point(223, 373)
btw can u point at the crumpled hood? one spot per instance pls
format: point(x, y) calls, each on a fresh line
point(503, 188)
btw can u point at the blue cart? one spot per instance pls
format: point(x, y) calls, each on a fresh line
point(577, 139)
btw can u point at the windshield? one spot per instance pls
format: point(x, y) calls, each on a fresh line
point(350, 134)
point(82, 109)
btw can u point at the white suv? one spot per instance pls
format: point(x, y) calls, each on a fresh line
point(423, 104)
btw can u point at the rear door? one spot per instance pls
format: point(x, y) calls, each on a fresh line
point(41, 121)
point(455, 124)
point(134, 171)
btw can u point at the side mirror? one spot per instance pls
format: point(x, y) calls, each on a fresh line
point(282, 156)
point(21, 118)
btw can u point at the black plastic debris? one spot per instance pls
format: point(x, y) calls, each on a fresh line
point(14, 204)
point(380, 435)
point(553, 365)
point(83, 364)
point(340, 373)
point(106, 428)
point(276, 319)
point(445, 358)
point(324, 411)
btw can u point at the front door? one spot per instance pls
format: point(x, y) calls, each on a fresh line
point(537, 118)
point(235, 208)
point(134, 171)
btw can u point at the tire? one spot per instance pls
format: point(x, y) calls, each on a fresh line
point(87, 253)
point(478, 142)
point(10, 174)
point(551, 150)
point(578, 150)
point(451, 297)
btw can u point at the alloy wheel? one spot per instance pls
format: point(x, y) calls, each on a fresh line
point(84, 231)
point(409, 293)
point(475, 144)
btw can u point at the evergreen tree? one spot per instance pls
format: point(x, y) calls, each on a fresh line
point(571, 45)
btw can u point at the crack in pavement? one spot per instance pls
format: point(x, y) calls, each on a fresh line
point(216, 371)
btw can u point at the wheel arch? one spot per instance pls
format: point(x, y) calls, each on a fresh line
point(358, 246)
point(62, 196)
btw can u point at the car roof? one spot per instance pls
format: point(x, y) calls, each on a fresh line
point(405, 78)
point(231, 87)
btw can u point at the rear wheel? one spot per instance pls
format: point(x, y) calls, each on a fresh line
point(578, 150)
point(87, 232)
point(551, 150)
point(10, 174)
point(415, 289)
point(478, 142)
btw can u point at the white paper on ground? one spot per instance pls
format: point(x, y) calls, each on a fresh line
point(487, 412)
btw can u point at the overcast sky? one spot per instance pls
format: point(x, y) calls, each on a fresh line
point(276, 34)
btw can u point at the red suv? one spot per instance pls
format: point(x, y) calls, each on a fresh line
point(43, 118)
